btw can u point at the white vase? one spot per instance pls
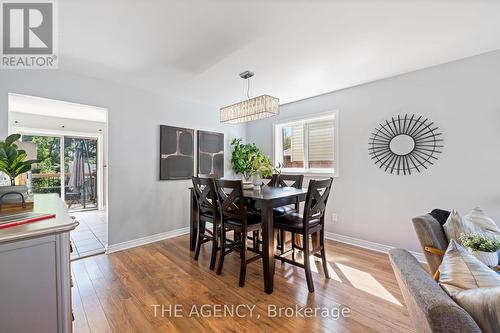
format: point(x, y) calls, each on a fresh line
point(488, 258)
point(257, 181)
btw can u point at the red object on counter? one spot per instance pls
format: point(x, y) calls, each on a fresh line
point(13, 220)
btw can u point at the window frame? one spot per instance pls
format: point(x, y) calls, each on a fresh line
point(278, 143)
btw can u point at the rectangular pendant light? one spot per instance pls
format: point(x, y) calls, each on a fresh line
point(252, 109)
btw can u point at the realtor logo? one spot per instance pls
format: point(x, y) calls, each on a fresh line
point(28, 35)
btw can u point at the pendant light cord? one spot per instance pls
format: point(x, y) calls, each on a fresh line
point(248, 89)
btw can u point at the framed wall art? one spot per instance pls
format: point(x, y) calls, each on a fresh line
point(210, 153)
point(176, 153)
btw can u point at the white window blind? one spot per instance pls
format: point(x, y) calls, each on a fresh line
point(308, 145)
point(297, 143)
point(321, 140)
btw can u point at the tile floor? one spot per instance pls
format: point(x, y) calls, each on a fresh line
point(91, 236)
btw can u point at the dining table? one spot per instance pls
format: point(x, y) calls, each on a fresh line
point(266, 198)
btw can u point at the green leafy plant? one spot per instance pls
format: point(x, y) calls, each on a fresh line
point(248, 160)
point(480, 242)
point(12, 160)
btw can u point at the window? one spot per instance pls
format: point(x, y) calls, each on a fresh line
point(308, 145)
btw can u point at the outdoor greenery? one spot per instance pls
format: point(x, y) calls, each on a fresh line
point(480, 242)
point(48, 154)
point(12, 160)
point(248, 160)
point(49, 157)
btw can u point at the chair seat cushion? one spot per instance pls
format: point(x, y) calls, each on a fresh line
point(253, 218)
point(293, 221)
point(207, 215)
point(285, 210)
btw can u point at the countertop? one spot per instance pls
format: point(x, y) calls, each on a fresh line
point(43, 203)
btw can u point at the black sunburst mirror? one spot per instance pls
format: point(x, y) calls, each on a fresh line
point(405, 144)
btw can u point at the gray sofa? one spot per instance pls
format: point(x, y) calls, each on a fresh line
point(430, 233)
point(430, 308)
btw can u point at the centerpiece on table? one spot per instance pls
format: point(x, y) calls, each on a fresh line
point(483, 247)
point(248, 160)
point(13, 163)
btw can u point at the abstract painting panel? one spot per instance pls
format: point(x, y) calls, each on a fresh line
point(176, 153)
point(210, 153)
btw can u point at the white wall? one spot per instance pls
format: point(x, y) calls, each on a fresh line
point(464, 101)
point(139, 204)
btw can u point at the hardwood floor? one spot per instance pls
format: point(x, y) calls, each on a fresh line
point(117, 293)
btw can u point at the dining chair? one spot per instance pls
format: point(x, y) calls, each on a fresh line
point(311, 222)
point(208, 211)
point(294, 181)
point(235, 217)
point(274, 180)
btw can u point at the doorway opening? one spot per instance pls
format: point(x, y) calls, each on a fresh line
point(68, 167)
point(69, 141)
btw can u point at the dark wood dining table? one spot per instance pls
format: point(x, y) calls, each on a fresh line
point(266, 198)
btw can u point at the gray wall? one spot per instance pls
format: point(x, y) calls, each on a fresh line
point(461, 97)
point(139, 204)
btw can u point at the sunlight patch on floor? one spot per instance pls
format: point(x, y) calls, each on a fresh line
point(317, 267)
point(366, 282)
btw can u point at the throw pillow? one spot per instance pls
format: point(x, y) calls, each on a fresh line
point(483, 304)
point(476, 221)
point(472, 285)
point(483, 223)
point(456, 225)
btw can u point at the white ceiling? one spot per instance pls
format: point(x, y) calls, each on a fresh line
point(30, 112)
point(195, 49)
point(54, 108)
point(37, 124)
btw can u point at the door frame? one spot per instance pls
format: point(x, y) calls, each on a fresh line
point(81, 135)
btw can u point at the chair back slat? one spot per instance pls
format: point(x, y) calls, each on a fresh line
point(232, 203)
point(274, 180)
point(290, 181)
point(205, 194)
point(316, 200)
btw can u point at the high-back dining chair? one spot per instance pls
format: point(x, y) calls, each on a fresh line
point(208, 211)
point(311, 222)
point(294, 181)
point(235, 217)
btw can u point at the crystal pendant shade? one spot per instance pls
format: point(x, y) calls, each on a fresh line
point(252, 109)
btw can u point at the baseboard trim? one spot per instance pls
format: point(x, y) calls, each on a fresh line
point(146, 240)
point(328, 235)
point(368, 245)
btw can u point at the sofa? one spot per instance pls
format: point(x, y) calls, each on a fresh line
point(430, 308)
point(430, 233)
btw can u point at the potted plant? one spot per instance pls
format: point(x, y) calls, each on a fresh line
point(13, 163)
point(248, 160)
point(483, 247)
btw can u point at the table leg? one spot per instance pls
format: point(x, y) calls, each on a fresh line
point(268, 247)
point(193, 222)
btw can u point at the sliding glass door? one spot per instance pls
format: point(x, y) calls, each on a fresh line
point(68, 166)
point(80, 166)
